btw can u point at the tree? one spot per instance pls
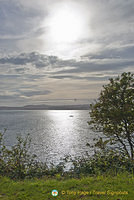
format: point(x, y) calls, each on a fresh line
point(113, 114)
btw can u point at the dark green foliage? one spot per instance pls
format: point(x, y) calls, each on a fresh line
point(104, 162)
point(113, 114)
point(18, 163)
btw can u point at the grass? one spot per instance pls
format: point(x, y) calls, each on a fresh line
point(85, 188)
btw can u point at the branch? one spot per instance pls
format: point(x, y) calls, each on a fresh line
point(129, 140)
point(122, 144)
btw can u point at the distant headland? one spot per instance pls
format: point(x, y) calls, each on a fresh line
point(48, 107)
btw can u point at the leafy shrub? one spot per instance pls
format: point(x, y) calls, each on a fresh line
point(113, 114)
point(18, 163)
point(104, 162)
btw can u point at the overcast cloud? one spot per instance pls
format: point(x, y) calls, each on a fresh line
point(37, 67)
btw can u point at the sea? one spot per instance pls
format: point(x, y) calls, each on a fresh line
point(55, 134)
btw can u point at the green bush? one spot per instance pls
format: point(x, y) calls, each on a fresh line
point(102, 162)
point(18, 163)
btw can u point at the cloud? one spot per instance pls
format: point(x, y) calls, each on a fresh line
point(118, 60)
point(30, 61)
point(98, 65)
point(34, 93)
point(23, 26)
point(7, 97)
point(34, 58)
point(16, 20)
point(125, 52)
point(89, 78)
point(21, 94)
point(18, 77)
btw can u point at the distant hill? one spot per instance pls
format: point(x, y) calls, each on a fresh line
point(47, 107)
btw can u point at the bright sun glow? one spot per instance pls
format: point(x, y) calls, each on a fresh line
point(66, 25)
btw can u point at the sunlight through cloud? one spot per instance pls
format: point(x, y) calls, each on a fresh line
point(66, 25)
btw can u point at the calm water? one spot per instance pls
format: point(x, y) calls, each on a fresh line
point(54, 133)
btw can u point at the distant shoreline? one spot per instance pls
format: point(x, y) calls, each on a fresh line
point(47, 107)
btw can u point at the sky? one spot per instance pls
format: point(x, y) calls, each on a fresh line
point(63, 51)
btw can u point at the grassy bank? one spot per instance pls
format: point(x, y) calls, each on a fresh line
point(87, 188)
